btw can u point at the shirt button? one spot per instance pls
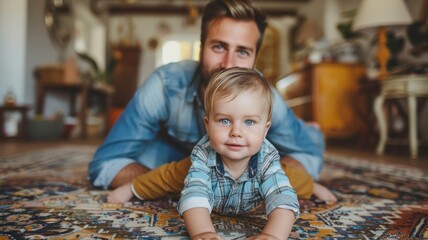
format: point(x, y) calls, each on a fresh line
point(235, 185)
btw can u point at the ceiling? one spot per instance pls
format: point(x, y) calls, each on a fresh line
point(117, 7)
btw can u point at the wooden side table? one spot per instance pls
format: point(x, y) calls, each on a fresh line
point(409, 87)
point(22, 130)
point(85, 90)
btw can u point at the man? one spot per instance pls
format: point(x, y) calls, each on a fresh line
point(164, 119)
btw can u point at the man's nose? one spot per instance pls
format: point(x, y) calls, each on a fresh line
point(228, 60)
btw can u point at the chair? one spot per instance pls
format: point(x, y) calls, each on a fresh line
point(409, 87)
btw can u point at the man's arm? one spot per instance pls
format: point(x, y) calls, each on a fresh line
point(137, 126)
point(127, 174)
point(295, 139)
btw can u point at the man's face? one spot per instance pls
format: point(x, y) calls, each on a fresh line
point(229, 43)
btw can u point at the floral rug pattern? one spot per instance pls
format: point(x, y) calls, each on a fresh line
point(45, 195)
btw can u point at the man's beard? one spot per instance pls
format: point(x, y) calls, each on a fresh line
point(207, 75)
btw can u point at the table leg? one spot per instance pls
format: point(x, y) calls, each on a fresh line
point(107, 108)
point(40, 99)
point(72, 105)
point(2, 126)
point(378, 104)
point(24, 123)
point(84, 112)
point(413, 138)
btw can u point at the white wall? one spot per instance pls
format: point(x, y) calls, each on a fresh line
point(147, 27)
point(41, 51)
point(90, 33)
point(13, 31)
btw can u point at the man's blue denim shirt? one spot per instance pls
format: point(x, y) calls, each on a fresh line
point(164, 120)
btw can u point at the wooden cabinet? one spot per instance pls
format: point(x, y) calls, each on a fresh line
point(329, 94)
point(125, 77)
point(337, 101)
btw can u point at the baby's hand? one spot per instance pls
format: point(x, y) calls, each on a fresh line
point(263, 236)
point(121, 194)
point(208, 236)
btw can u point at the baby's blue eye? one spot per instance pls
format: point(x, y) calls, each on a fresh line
point(249, 122)
point(225, 121)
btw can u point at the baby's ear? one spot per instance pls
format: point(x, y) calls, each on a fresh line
point(268, 124)
point(206, 122)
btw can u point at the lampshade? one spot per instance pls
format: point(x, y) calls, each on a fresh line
point(379, 13)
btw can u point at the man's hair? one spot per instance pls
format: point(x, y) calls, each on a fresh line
point(232, 81)
point(235, 9)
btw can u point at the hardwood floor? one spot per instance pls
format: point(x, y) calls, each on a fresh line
point(393, 154)
point(10, 147)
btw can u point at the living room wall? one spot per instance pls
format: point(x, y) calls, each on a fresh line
point(24, 42)
point(12, 47)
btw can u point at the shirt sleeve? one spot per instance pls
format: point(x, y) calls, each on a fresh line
point(138, 124)
point(197, 190)
point(293, 138)
point(275, 186)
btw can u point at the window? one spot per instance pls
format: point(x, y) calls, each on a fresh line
point(178, 47)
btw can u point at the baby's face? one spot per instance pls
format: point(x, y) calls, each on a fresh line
point(237, 126)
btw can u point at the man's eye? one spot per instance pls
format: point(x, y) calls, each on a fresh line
point(249, 122)
point(225, 121)
point(218, 48)
point(244, 53)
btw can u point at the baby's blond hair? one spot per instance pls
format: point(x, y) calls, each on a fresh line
point(232, 81)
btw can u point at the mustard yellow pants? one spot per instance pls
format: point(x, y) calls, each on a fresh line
point(168, 179)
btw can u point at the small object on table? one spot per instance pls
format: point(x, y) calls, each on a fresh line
point(22, 127)
point(9, 99)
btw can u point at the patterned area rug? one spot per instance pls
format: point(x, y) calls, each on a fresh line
point(45, 195)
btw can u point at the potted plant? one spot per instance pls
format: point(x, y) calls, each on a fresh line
point(417, 33)
point(395, 45)
point(97, 75)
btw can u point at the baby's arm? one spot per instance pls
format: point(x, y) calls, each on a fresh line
point(121, 194)
point(198, 224)
point(279, 225)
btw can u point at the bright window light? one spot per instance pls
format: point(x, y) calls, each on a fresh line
point(178, 49)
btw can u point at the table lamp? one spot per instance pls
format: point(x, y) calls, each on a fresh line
point(381, 14)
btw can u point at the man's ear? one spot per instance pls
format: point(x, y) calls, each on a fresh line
point(201, 49)
point(206, 124)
